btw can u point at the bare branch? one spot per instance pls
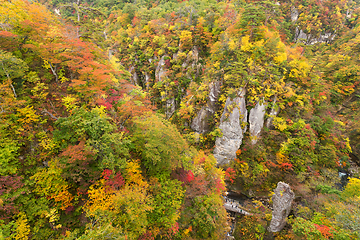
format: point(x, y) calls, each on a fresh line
point(50, 114)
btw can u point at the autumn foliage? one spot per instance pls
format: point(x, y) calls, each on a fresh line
point(98, 101)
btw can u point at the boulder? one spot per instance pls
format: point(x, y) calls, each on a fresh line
point(235, 113)
point(282, 200)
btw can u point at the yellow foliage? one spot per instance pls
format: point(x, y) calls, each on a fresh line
point(100, 198)
point(27, 115)
point(22, 227)
point(281, 158)
point(245, 44)
point(54, 31)
point(134, 173)
point(352, 189)
point(216, 65)
point(280, 57)
point(161, 52)
point(289, 93)
point(53, 217)
point(232, 45)
point(46, 142)
point(69, 102)
point(244, 169)
point(50, 183)
point(280, 123)
point(100, 110)
point(138, 203)
point(300, 68)
point(65, 197)
point(259, 43)
point(347, 147)
point(13, 12)
point(39, 90)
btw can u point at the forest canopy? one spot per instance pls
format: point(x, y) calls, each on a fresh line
point(132, 119)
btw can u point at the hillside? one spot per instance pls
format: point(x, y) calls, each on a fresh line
point(130, 120)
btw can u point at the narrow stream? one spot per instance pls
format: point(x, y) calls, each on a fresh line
point(235, 200)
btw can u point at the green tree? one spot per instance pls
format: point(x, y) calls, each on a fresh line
point(159, 144)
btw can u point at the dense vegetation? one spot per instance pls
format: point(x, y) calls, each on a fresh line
point(97, 99)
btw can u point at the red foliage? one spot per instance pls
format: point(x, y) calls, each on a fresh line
point(190, 176)
point(135, 21)
point(69, 209)
point(171, 232)
point(220, 187)
point(230, 174)
point(76, 153)
point(147, 236)
point(113, 182)
point(116, 182)
point(322, 94)
point(167, 62)
point(113, 97)
point(106, 174)
point(271, 164)
point(7, 34)
point(184, 176)
point(104, 103)
point(199, 186)
point(325, 230)
point(286, 166)
point(75, 160)
point(10, 190)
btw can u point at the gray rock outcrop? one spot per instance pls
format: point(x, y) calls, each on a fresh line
point(160, 70)
point(282, 200)
point(191, 66)
point(160, 75)
point(134, 76)
point(235, 113)
point(294, 14)
point(147, 80)
point(170, 107)
point(256, 120)
point(301, 36)
point(200, 123)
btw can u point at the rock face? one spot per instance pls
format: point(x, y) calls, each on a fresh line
point(134, 76)
point(170, 107)
point(282, 200)
point(294, 14)
point(256, 120)
point(160, 75)
point(301, 36)
point(160, 70)
point(147, 80)
point(234, 115)
point(200, 123)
